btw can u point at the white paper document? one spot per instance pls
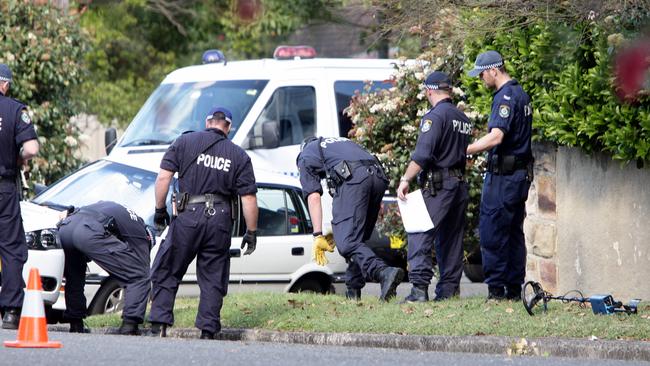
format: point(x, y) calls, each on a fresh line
point(414, 213)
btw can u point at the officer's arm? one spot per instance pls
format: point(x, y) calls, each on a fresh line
point(492, 139)
point(315, 211)
point(29, 149)
point(163, 181)
point(251, 212)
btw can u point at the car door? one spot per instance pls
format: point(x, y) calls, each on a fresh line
point(283, 242)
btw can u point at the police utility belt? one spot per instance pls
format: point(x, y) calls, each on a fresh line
point(509, 164)
point(182, 200)
point(431, 179)
point(107, 221)
point(342, 172)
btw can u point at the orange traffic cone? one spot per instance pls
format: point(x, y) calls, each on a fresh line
point(32, 331)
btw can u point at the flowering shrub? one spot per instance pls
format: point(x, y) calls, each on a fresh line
point(387, 123)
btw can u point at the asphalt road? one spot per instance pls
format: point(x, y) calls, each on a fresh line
point(96, 349)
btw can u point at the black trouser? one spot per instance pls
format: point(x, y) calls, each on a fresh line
point(194, 234)
point(13, 249)
point(83, 238)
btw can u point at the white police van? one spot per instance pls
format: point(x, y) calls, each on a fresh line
point(275, 103)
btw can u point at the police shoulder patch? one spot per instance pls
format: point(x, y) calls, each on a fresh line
point(426, 125)
point(504, 111)
point(25, 118)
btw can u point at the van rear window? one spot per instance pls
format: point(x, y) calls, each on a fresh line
point(344, 91)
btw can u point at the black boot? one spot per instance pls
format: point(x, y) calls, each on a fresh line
point(206, 334)
point(418, 294)
point(158, 330)
point(353, 294)
point(496, 293)
point(129, 327)
point(513, 292)
point(77, 326)
point(389, 278)
point(11, 318)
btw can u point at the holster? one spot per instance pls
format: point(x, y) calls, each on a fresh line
point(234, 207)
point(335, 177)
point(181, 201)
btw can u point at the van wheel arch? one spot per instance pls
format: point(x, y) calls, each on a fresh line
point(316, 282)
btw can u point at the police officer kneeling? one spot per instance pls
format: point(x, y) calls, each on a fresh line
point(212, 172)
point(18, 143)
point(439, 158)
point(357, 182)
point(117, 239)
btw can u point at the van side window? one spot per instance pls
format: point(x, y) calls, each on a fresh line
point(344, 90)
point(278, 214)
point(293, 109)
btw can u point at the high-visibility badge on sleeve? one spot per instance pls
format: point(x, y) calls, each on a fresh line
point(504, 111)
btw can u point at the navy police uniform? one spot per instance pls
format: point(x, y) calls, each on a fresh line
point(441, 152)
point(210, 177)
point(505, 190)
point(15, 129)
point(115, 238)
point(356, 201)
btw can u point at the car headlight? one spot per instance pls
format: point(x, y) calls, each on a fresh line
point(45, 239)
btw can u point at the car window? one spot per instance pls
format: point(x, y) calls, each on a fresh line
point(344, 91)
point(294, 109)
point(175, 108)
point(278, 214)
point(105, 181)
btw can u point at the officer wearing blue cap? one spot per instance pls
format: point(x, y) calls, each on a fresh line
point(357, 184)
point(212, 173)
point(506, 184)
point(117, 239)
point(18, 143)
point(439, 163)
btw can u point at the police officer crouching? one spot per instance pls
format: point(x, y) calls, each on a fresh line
point(212, 172)
point(357, 183)
point(506, 184)
point(117, 239)
point(18, 143)
point(439, 159)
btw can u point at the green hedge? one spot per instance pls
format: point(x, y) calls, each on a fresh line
point(43, 47)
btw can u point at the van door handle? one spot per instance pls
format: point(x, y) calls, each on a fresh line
point(236, 253)
point(298, 251)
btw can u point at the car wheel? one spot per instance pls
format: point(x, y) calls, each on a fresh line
point(474, 272)
point(109, 298)
point(308, 285)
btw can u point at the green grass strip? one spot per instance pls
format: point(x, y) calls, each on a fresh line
point(460, 317)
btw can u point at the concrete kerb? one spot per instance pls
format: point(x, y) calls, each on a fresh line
point(556, 347)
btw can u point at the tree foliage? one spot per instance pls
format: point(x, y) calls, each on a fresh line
point(44, 48)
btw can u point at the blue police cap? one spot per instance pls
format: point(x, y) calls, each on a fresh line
point(437, 80)
point(484, 61)
point(5, 73)
point(223, 110)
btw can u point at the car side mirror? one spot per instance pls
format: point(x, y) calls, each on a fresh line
point(39, 188)
point(270, 134)
point(110, 139)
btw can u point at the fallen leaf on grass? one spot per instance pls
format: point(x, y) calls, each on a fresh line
point(428, 312)
point(486, 309)
point(582, 314)
point(295, 304)
point(246, 311)
point(451, 316)
point(593, 338)
point(270, 322)
point(479, 334)
point(510, 310)
point(407, 310)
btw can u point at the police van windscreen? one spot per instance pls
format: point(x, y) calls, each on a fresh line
point(176, 108)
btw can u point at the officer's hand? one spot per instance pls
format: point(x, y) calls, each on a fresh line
point(319, 248)
point(402, 190)
point(250, 239)
point(330, 240)
point(161, 218)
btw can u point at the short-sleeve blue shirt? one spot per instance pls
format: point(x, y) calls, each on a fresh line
point(15, 129)
point(513, 114)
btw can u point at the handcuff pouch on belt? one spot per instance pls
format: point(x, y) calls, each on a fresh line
point(336, 176)
point(183, 199)
point(430, 180)
point(508, 164)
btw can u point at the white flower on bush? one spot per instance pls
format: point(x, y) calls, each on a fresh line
point(409, 128)
point(359, 132)
point(375, 108)
point(70, 141)
point(419, 75)
point(422, 112)
point(473, 115)
point(458, 91)
point(420, 95)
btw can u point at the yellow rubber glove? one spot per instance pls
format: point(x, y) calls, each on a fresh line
point(319, 248)
point(330, 240)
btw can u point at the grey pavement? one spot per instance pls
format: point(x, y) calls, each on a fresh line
point(98, 349)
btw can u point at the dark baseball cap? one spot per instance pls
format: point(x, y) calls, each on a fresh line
point(484, 61)
point(223, 110)
point(5, 73)
point(437, 80)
